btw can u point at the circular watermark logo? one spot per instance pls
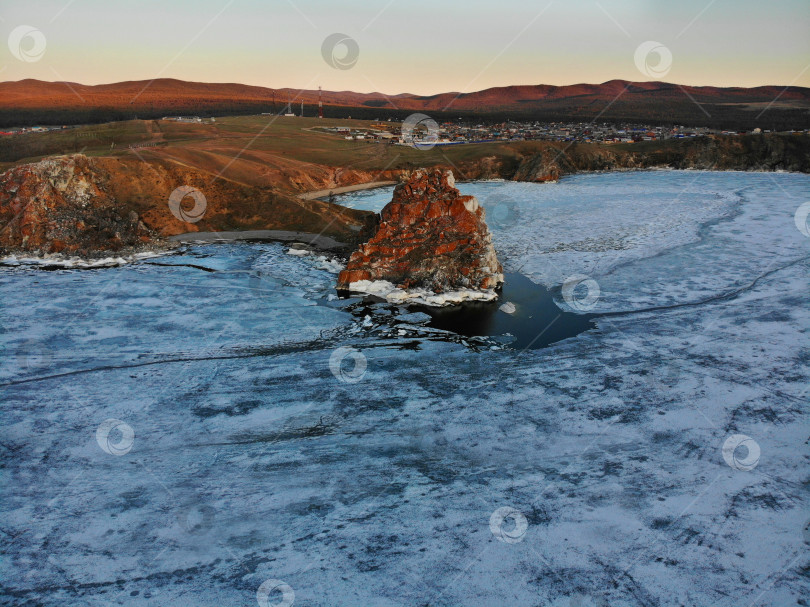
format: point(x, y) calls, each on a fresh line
point(665, 374)
point(802, 219)
point(192, 215)
point(653, 59)
point(115, 437)
point(196, 518)
point(33, 356)
point(420, 131)
point(282, 594)
point(429, 442)
point(340, 51)
point(347, 364)
point(741, 452)
point(509, 533)
point(502, 212)
point(261, 285)
point(27, 43)
point(581, 292)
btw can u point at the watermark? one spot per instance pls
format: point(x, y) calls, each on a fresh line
point(801, 218)
point(581, 292)
point(348, 365)
point(196, 518)
point(420, 131)
point(665, 375)
point(806, 532)
point(27, 43)
point(33, 356)
point(283, 595)
point(192, 215)
point(508, 533)
point(261, 285)
point(741, 452)
point(429, 442)
point(344, 60)
point(115, 437)
point(502, 213)
point(655, 68)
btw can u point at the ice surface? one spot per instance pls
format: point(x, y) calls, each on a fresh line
point(364, 461)
point(508, 307)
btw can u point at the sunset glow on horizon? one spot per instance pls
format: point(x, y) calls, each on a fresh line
point(416, 47)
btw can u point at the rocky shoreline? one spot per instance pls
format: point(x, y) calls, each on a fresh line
point(523, 161)
point(92, 208)
point(789, 153)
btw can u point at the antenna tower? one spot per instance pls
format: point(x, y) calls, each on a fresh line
point(320, 103)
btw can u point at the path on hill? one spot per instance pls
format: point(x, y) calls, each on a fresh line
point(318, 241)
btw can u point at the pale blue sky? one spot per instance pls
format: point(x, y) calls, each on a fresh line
point(414, 46)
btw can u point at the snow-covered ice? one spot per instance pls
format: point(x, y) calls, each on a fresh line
point(266, 433)
point(390, 292)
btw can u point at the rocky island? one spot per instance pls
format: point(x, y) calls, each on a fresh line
point(432, 246)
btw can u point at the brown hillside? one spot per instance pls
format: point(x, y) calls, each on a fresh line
point(32, 101)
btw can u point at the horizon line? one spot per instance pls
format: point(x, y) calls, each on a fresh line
point(620, 80)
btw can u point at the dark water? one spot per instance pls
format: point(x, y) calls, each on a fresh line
point(537, 321)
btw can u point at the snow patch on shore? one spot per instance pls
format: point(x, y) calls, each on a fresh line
point(330, 264)
point(393, 294)
point(61, 261)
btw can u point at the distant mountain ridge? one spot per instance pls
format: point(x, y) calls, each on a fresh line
point(786, 106)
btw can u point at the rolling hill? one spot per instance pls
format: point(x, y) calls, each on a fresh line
point(28, 102)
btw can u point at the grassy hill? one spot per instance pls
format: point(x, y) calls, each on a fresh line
point(291, 155)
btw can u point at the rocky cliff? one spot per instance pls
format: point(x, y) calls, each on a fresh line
point(546, 161)
point(60, 206)
point(740, 153)
point(432, 245)
point(89, 207)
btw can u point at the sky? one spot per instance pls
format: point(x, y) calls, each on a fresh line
point(413, 46)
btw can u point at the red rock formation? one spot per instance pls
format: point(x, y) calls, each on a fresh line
point(429, 237)
point(89, 207)
point(58, 206)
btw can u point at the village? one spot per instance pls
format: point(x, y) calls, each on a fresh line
point(428, 132)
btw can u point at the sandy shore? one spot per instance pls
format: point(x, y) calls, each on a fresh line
point(345, 189)
point(318, 241)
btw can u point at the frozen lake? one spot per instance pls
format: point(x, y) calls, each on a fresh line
point(214, 427)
